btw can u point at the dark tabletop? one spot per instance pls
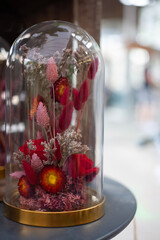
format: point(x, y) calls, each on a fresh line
point(120, 209)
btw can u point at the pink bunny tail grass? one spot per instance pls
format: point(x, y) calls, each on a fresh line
point(51, 71)
point(36, 163)
point(42, 115)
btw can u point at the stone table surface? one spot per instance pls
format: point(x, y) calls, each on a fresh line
point(120, 209)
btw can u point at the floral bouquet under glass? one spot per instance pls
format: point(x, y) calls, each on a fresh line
point(53, 166)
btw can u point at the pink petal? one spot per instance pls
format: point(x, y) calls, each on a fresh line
point(36, 163)
point(17, 174)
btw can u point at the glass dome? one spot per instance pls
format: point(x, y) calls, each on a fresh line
point(4, 48)
point(54, 120)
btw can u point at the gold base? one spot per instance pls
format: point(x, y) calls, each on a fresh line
point(54, 219)
point(2, 172)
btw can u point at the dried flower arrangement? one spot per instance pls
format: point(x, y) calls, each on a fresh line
point(54, 167)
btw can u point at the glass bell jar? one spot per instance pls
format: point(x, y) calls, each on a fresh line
point(4, 48)
point(54, 127)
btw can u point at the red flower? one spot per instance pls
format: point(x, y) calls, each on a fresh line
point(65, 96)
point(93, 69)
point(79, 165)
point(52, 179)
point(81, 96)
point(59, 87)
point(25, 188)
point(39, 149)
point(30, 173)
point(24, 149)
point(91, 173)
point(66, 116)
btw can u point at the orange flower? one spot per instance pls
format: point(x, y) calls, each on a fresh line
point(34, 107)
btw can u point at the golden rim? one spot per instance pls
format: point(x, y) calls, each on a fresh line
point(54, 219)
point(2, 172)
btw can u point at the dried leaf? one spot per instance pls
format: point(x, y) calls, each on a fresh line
point(93, 69)
point(30, 173)
point(76, 100)
point(66, 116)
point(83, 92)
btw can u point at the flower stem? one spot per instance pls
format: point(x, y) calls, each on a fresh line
point(45, 132)
point(50, 130)
point(79, 119)
point(54, 117)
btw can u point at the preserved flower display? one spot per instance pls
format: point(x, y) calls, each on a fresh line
point(55, 130)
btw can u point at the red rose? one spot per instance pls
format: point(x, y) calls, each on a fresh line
point(79, 165)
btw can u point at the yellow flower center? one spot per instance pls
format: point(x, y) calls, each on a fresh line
point(61, 90)
point(23, 186)
point(52, 179)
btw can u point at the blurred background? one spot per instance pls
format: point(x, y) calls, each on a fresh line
point(128, 32)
